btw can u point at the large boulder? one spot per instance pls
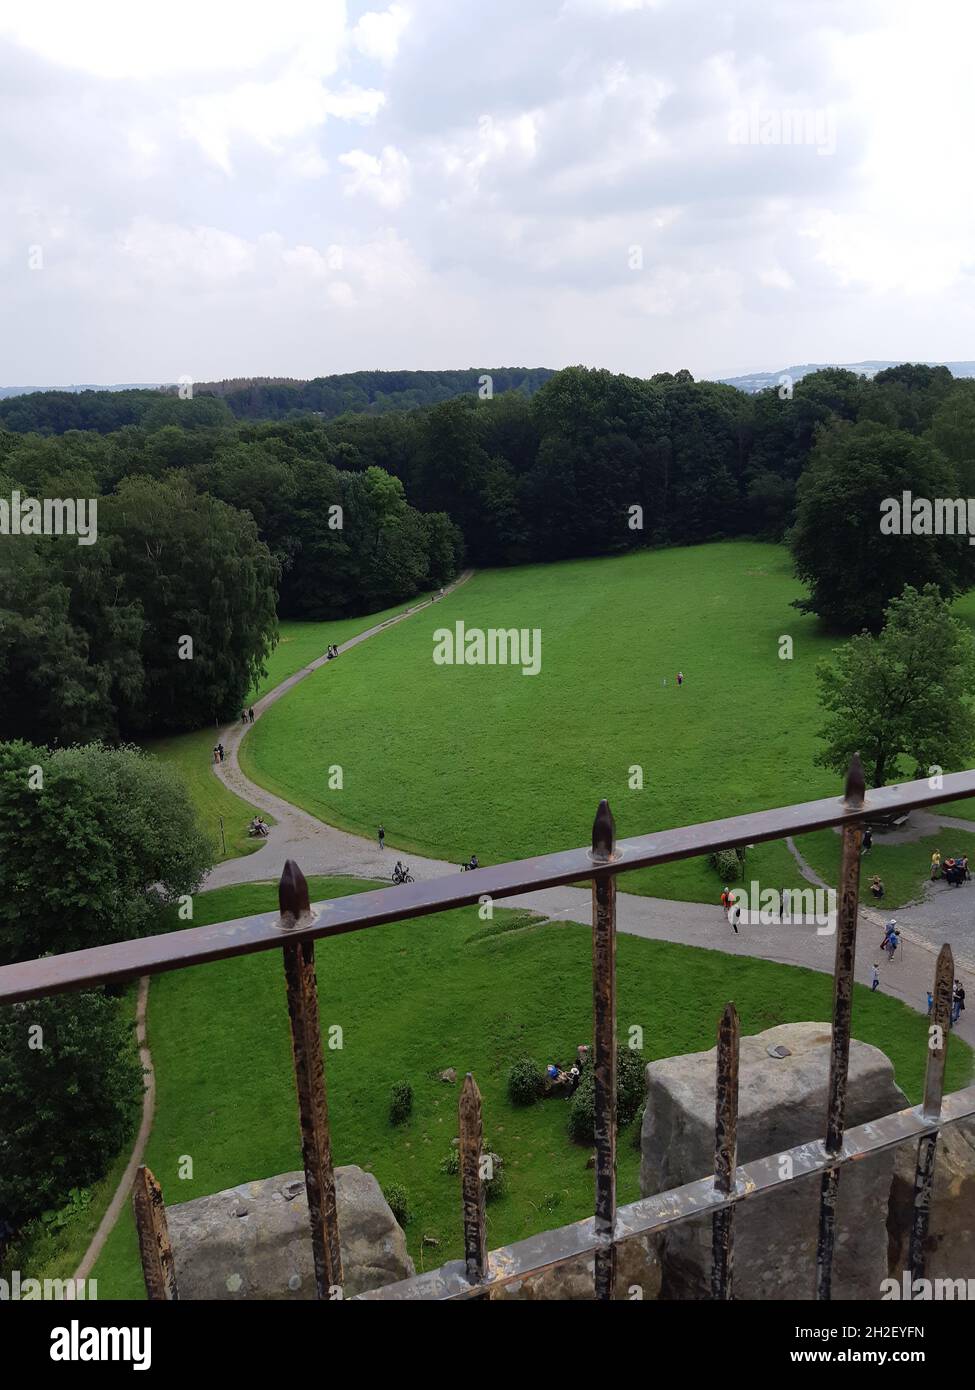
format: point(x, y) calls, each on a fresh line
point(254, 1241)
point(949, 1251)
point(782, 1103)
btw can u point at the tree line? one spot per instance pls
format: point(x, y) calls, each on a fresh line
point(210, 525)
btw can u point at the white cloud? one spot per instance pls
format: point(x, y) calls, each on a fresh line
point(378, 33)
point(166, 253)
point(120, 39)
point(269, 113)
point(385, 178)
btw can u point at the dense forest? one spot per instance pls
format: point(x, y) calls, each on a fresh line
point(208, 525)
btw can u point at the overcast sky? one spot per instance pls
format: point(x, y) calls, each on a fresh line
point(217, 188)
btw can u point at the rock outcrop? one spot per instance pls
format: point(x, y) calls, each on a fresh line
point(949, 1251)
point(254, 1241)
point(782, 1103)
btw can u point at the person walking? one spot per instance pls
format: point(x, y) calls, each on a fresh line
point(957, 1001)
point(250, 716)
point(875, 977)
point(726, 898)
point(220, 751)
point(866, 844)
point(930, 1003)
point(734, 916)
point(382, 838)
point(680, 677)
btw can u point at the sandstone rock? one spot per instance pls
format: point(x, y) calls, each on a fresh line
point(450, 1075)
point(950, 1246)
point(782, 1103)
point(254, 1241)
point(637, 1276)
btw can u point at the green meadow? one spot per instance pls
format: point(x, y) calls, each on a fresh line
point(460, 759)
point(412, 999)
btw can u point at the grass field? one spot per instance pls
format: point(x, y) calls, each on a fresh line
point(192, 754)
point(414, 998)
point(455, 759)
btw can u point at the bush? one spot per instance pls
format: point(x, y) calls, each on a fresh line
point(525, 1081)
point(400, 1102)
point(399, 1202)
point(729, 863)
point(451, 1164)
point(629, 1095)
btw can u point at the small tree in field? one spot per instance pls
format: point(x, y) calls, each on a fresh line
point(903, 694)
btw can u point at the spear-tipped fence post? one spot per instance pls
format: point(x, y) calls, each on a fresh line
point(854, 799)
point(934, 1082)
point(604, 1046)
point(472, 1181)
point(155, 1250)
point(309, 1064)
point(725, 1152)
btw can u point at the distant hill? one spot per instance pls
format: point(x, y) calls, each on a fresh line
point(368, 393)
point(758, 381)
point(54, 409)
point(6, 391)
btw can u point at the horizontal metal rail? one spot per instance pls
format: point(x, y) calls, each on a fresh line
point(537, 1254)
point(152, 955)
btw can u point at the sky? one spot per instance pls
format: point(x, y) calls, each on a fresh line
point(226, 188)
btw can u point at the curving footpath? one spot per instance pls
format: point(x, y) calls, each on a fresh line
point(324, 850)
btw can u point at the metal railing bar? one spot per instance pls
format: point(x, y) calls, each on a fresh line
point(175, 950)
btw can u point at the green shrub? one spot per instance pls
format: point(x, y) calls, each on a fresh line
point(400, 1102)
point(729, 863)
point(451, 1164)
point(399, 1202)
point(629, 1095)
point(525, 1080)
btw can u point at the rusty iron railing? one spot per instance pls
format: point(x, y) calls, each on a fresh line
point(296, 927)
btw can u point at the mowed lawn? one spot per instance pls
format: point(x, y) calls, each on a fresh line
point(462, 759)
point(412, 999)
point(192, 754)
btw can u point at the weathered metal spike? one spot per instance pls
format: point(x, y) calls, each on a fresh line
point(856, 786)
point(293, 897)
point(603, 832)
point(725, 1151)
point(155, 1250)
point(472, 1184)
point(934, 1081)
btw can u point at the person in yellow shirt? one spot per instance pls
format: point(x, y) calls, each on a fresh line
point(936, 865)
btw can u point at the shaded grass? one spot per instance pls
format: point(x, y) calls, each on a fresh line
point(413, 998)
